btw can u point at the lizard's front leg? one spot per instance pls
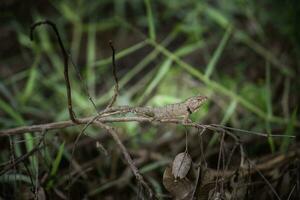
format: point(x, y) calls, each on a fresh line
point(149, 115)
point(186, 118)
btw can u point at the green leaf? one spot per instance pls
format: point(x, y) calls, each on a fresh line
point(289, 132)
point(150, 20)
point(55, 164)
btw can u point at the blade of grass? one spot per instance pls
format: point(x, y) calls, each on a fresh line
point(189, 48)
point(108, 24)
point(16, 77)
point(31, 81)
point(147, 59)
point(162, 71)
point(228, 113)
point(269, 132)
point(67, 11)
point(268, 91)
point(22, 35)
point(215, 15)
point(153, 166)
point(122, 53)
point(55, 165)
point(139, 87)
point(289, 131)
point(90, 54)
point(150, 20)
point(12, 178)
point(30, 144)
point(218, 52)
point(57, 160)
point(11, 112)
point(269, 106)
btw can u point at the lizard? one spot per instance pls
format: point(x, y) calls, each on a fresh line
point(183, 109)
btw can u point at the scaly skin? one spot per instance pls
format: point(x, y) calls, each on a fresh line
point(183, 109)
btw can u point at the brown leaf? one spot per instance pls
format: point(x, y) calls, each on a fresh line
point(181, 165)
point(41, 195)
point(180, 189)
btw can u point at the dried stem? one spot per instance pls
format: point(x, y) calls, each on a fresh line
point(105, 117)
point(66, 67)
point(23, 157)
point(127, 157)
point(114, 71)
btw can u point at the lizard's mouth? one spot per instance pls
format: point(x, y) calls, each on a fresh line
point(198, 103)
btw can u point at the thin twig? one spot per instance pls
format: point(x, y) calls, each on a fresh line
point(69, 123)
point(23, 157)
point(127, 157)
point(66, 67)
point(290, 195)
point(83, 83)
point(114, 71)
point(248, 132)
point(220, 156)
point(264, 178)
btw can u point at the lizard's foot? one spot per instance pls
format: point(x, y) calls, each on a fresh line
point(152, 119)
point(186, 121)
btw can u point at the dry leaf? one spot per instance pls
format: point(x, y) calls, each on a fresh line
point(180, 189)
point(41, 195)
point(181, 165)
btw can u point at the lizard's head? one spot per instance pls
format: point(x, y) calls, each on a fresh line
point(195, 102)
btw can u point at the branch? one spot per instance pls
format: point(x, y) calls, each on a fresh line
point(83, 121)
point(127, 157)
point(114, 71)
point(104, 117)
point(66, 68)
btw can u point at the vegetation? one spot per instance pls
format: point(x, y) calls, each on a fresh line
point(242, 55)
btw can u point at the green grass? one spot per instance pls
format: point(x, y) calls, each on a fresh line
point(150, 20)
point(55, 165)
point(218, 52)
point(290, 130)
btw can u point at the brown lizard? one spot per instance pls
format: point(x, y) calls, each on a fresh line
point(183, 109)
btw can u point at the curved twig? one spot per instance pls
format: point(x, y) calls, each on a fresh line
point(66, 69)
point(114, 71)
